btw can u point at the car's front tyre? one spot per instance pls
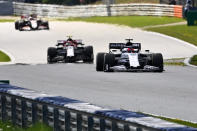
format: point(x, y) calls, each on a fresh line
point(100, 61)
point(157, 61)
point(16, 25)
point(51, 54)
point(47, 25)
point(89, 55)
point(109, 61)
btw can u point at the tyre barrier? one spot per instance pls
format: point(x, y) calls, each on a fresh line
point(24, 107)
point(5, 81)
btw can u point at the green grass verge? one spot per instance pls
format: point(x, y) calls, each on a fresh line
point(131, 21)
point(181, 122)
point(194, 60)
point(4, 57)
point(6, 20)
point(173, 120)
point(6, 126)
point(174, 63)
point(183, 32)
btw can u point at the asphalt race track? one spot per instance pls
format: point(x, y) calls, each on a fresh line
point(172, 93)
point(31, 46)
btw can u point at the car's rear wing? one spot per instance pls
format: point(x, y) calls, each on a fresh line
point(116, 45)
point(120, 46)
point(136, 46)
point(60, 42)
point(79, 41)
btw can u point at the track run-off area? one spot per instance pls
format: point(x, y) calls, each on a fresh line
point(171, 93)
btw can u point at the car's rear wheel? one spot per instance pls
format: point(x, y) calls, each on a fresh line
point(157, 61)
point(16, 25)
point(89, 54)
point(43, 23)
point(100, 62)
point(47, 25)
point(109, 61)
point(20, 26)
point(51, 54)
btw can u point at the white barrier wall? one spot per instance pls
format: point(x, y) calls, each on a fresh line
point(94, 10)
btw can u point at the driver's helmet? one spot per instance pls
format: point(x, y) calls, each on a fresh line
point(130, 50)
point(69, 39)
point(24, 16)
point(126, 50)
point(68, 43)
point(33, 15)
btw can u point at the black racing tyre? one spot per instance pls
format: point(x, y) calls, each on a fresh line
point(100, 62)
point(109, 61)
point(20, 27)
point(51, 53)
point(44, 23)
point(157, 61)
point(89, 50)
point(47, 25)
point(16, 25)
point(89, 55)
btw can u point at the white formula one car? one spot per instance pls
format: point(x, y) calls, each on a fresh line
point(31, 23)
point(128, 57)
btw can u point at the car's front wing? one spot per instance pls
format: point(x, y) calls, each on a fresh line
point(122, 68)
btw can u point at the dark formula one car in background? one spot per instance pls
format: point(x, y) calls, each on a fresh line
point(31, 23)
point(70, 51)
point(128, 57)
